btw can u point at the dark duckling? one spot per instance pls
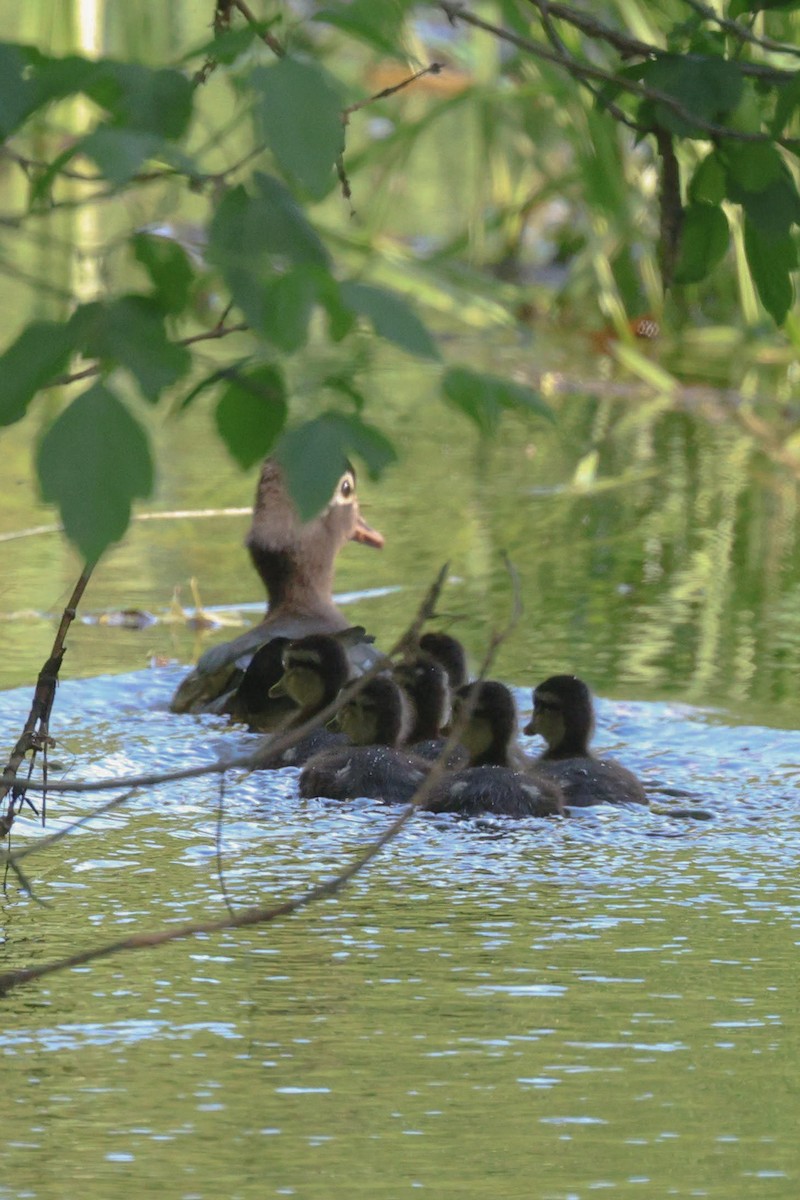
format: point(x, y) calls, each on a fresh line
point(295, 561)
point(251, 701)
point(448, 651)
point(499, 779)
point(313, 671)
point(425, 682)
point(563, 714)
point(375, 720)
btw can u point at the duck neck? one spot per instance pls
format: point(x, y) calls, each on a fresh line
point(297, 577)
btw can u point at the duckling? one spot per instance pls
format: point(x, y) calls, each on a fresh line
point(499, 779)
point(425, 682)
point(251, 702)
point(313, 670)
point(448, 651)
point(563, 714)
point(295, 561)
point(374, 719)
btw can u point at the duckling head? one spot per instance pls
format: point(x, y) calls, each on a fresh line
point(295, 559)
point(450, 653)
point(491, 726)
point(315, 669)
point(563, 715)
point(375, 715)
point(424, 681)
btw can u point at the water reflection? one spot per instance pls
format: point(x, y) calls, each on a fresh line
point(584, 1001)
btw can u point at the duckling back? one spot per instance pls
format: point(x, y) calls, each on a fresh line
point(381, 771)
point(589, 780)
point(491, 784)
point(497, 790)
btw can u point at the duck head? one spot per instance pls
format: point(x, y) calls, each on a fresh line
point(315, 669)
point(295, 558)
point(375, 715)
point(563, 715)
point(490, 731)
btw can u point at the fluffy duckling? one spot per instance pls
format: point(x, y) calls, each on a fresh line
point(314, 669)
point(563, 714)
point(251, 702)
point(295, 560)
point(499, 779)
point(425, 682)
point(448, 651)
point(374, 719)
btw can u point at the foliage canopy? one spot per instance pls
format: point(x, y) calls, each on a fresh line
point(674, 133)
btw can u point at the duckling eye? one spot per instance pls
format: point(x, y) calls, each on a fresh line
point(347, 487)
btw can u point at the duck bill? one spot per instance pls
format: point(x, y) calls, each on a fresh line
point(365, 534)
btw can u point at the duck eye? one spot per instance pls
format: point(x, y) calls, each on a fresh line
point(346, 487)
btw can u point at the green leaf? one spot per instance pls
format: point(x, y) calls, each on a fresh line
point(341, 319)
point(752, 166)
point(119, 153)
point(787, 93)
point(703, 85)
point(251, 234)
point(93, 462)
point(774, 208)
point(771, 261)
point(169, 268)
point(484, 397)
point(18, 94)
point(704, 240)
point(287, 306)
point(251, 413)
point(380, 25)
point(231, 44)
point(129, 332)
point(315, 455)
point(300, 112)
point(741, 8)
point(40, 353)
point(708, 182)
point(137, 97)
point(391, 318)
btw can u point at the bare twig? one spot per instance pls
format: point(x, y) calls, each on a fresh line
point(35, 734)
point(433, 69)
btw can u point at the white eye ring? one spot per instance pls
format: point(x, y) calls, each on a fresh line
point(346, 489)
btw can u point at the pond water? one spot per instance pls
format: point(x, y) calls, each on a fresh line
point(550, 1009)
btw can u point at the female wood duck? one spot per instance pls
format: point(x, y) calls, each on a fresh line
point(296, 561)
point(499, 779)
point(375, 719)
point(563, 715)
point(313, 670)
